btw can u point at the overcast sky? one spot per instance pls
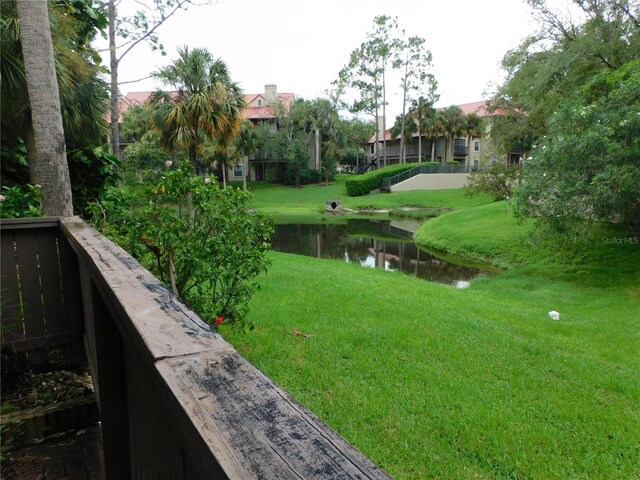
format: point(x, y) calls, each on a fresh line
point(301, 46)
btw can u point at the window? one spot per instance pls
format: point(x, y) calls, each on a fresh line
point(259, 103)
point(476, 146)
point(238, 171)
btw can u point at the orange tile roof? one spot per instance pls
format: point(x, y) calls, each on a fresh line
point(252, 113)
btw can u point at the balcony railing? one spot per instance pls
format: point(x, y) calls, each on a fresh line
point(176, 400)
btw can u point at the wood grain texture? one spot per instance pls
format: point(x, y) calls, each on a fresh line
point(209, 411)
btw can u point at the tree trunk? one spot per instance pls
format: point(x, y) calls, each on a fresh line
point(384, 119)
point(318, 152)
point(224, 174)
point(404, 109)
point(46, 117)
point(419, 146)
point(30, 144)
point(245, 174)
point(115, 107)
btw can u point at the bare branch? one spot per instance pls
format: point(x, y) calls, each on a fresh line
point(633, 19)
point(136, 81)
point(155, 27)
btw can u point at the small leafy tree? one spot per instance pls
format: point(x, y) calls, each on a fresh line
point(497, 181)
point(587, 166)
point(210, 252)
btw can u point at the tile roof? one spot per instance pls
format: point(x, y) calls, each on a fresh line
point(252, 113)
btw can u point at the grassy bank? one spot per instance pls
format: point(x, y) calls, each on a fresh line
point(434, 382)
point(311, 199)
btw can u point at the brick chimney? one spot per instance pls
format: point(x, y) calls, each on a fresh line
point(271, 93)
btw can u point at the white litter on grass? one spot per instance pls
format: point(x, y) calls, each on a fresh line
point(554, 315)
point(463, 284)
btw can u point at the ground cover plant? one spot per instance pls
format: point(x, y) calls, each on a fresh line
point(431, 381)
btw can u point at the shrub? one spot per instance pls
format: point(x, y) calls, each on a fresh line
point(201, 239)
point(497, 181)
point(362, 184)
point(307, 175)
point(20, 201)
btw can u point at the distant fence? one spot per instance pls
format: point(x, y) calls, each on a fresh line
point(176, 400)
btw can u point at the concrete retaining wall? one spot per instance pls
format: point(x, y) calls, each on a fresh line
point(432, 181)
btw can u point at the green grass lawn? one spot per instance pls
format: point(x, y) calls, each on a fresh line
point(311, 199)
point(431, 381)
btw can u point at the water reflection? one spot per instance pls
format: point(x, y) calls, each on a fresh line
point(371, 243)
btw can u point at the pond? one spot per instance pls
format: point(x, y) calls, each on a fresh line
point(371, 243)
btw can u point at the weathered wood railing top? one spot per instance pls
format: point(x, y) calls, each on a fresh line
point(177, 400)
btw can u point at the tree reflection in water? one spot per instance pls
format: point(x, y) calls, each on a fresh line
point(371, 243)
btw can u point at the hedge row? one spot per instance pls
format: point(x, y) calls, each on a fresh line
point(358, 185)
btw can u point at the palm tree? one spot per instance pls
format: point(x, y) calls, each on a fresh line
point(51, 170)
point(405, 130)
point(434, 128)
point(474, 130)
point(454, 124)
point(205, 103)
point(83, 95)
point(421, 111)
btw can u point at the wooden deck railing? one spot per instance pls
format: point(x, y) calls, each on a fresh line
point(41, 309)
point(176, 400)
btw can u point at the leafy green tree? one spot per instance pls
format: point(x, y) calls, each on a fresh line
point(348, 140)
point(136, 122)
point(367, 69)
point(586, 167)
point(296, 132)
point(325, 123)
point(144, 156)
point(414, 61)
point(125, 34)
point(498, 180)
point(83, 98)
point(143, 153)
point(206, 103)
point(562, 56)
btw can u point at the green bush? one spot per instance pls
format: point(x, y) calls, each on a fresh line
point(497, 181)
point(202, 240)
point(362, 184)
point(20, 201)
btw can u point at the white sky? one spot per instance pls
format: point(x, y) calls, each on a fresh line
point(301, 46)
